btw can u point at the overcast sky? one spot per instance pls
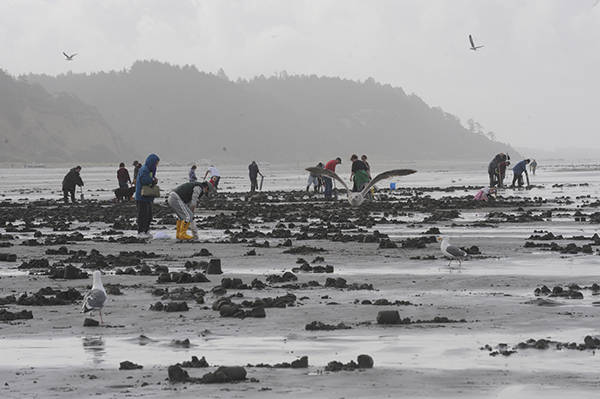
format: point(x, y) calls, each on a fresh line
point(535, 83)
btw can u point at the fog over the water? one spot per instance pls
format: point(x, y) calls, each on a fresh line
point(534, 84)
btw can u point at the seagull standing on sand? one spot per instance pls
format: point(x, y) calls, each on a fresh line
point(357, 198)
point(96, 297)
point(69, 57)
point(452, 252)
point(473, 46)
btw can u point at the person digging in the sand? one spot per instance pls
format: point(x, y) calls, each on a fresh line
point(183, 201)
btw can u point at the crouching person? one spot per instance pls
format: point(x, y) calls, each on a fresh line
point(485, 193)
point(183, 201)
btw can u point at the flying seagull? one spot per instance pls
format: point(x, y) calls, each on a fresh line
point(69, 57)
point(96, 297)
point(473, 46)
point(452, 252)
point(357, 198)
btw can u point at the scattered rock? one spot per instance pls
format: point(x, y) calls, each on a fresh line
point(8, 257)
point(90, 322)
point(195, 363)
point(177, 374)
point(388, 317)
point(170, 307)
point(320, 326)
point(366, 361)
point(127, 365)
point(224, 374)
point(214, 266)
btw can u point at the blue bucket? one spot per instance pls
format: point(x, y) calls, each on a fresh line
point(392, 186)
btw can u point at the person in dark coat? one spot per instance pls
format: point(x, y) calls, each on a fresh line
point(360, 174)
point(192, 174)
point(71, 180)
point(123, 176)
point(136, 170)
point(253, 173)
point(145, 177)
point(502, 172)
point(494, 168)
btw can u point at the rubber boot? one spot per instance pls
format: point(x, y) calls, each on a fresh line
point(178, 234)
point(184, 227)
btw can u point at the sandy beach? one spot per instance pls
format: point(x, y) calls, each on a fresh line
point(325, 262)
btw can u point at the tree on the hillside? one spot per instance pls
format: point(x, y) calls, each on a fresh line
point(222, 75)
point(471, 125)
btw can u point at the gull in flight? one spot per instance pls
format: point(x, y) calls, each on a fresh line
point(69, 57)
point(473, 46)
point(357, 198)
point(452, 252)
point(96, 297)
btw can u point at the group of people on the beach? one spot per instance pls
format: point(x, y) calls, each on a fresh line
point(144, 188)
point(497, 173)
point(497, 170)
point(184, 198)
point(360, 175)
point(215, 175)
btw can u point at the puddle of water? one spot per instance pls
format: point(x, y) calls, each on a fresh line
point(390, 348)
point(543, 265)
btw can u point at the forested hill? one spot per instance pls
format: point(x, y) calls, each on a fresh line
point(184, 114)
point(36, 126)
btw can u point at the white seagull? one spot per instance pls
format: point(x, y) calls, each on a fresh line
point(96, 297)
point(69, 57)
point(452, 252)
point(357, 198)
point(473, 46)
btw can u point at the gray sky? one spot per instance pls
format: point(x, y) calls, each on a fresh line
point(536, 81)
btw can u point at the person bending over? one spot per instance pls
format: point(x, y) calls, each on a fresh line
point(518, 170)
point(72, 179)
point(183, 201)
point(327, 180)
point(215, 176)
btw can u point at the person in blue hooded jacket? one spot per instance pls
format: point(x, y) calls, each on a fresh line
point(518, 170)
point(146, 176)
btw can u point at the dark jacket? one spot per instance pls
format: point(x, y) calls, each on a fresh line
point(253, 170)
point(520, 167)
point(358, 165)
point(495, 163)
point(186, 191)
point(71, 180)
point(146, 177)
point(123, 176)
point(136, 170)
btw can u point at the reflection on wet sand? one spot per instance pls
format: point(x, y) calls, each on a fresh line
point(95, 347)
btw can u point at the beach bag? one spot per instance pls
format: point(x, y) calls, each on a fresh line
point(151, 191)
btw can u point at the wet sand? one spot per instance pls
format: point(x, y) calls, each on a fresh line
point(488, 301)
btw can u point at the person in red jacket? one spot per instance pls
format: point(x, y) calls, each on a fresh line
point(327, 180)
point(123, 176)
